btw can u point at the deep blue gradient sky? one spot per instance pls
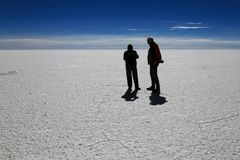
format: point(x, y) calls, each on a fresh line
point(197, 19)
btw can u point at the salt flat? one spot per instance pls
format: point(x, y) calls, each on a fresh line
point(68, 105)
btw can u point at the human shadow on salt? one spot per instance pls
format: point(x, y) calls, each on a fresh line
point(130, 95)
point(156, 99)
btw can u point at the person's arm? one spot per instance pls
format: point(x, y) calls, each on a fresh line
point(157, 55)
point(136, 55)
point(160, 54)
point(125, 56)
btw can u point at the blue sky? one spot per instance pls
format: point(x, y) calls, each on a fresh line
point(68, 24)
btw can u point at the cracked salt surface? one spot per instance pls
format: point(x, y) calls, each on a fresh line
point(69, 105)
point(8, 73)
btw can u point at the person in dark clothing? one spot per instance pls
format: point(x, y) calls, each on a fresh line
point(154, 58)
point(130, 57)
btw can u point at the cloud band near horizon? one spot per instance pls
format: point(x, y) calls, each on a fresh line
point(113, 42)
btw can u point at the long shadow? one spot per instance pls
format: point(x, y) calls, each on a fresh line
point(156, 99)
point(130, 96)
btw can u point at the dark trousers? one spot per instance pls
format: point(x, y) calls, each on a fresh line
point(131, 71)
point(154, 76)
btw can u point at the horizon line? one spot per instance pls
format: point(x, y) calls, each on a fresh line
point(113, 42)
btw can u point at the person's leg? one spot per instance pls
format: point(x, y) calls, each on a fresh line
point(152, 78)
point(155, 78)
point(129, 76)
point(135, 76)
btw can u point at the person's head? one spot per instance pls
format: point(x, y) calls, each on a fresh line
point(150, 40)
point(130, 47)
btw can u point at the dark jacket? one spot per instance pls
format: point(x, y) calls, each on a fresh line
point(154, 54)
point(130, 57)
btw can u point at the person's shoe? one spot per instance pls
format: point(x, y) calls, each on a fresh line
point(156, 91)
point(137, 88)
point(150, 88)
point(129, 88)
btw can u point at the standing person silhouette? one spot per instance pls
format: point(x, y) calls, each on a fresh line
point(154, 58)
point(130, 57)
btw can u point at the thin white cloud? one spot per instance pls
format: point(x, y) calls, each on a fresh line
point(134, 29)
point(193, 23)
point(188, 27)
